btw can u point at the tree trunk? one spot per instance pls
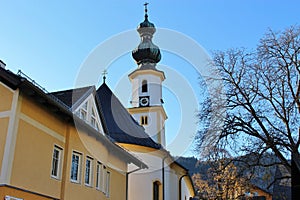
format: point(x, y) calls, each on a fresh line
point(295, 178)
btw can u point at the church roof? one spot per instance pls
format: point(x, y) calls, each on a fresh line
point(119, 123)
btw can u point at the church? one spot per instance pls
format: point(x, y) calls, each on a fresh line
point(82, 143)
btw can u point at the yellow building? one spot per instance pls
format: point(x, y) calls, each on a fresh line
point(46, 152)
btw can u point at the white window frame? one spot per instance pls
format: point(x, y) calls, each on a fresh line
point(99, 175)
point(83, 111)
point(88, 171)
point(107, 184)
point(103, 186)
point(78, 177)
point(94, 121)
point(58, 164)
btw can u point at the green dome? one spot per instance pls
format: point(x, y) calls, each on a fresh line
point(146, 52)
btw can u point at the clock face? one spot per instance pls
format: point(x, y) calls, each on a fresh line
point(144, 101)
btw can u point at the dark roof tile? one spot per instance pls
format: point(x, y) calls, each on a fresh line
point(119, 123)
point(70, 97)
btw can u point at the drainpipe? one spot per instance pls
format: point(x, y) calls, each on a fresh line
point(180, 185)
point(163, 177)
point(127, 176)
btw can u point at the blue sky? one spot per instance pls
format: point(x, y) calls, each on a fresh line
point(50, 40)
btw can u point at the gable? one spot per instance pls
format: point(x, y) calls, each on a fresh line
point(88, 112)
point(81, 102)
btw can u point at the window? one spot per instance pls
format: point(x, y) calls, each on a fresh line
point(144, 86)
point(56, 162)
point(107, 184)
point(76, 167)
point(157, 194)
point(106, 181)
point(144, 120)
point(99, 176)
point(94, 120)
point(88, 171)
point(103, 186)
point(83, 111)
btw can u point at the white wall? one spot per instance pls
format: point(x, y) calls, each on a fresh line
point(141, 182)
point(154, 89)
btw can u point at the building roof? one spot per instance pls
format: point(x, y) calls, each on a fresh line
point(59, 108)
point(72, 96)
point(120, 125)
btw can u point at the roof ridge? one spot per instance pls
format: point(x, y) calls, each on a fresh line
point(71, 89)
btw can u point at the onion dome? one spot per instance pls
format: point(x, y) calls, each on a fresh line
point(146, 52)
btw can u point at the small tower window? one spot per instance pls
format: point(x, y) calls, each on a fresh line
point(144, 120)
point(144, 86)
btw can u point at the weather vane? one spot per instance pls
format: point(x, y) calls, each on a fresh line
point(104, 75)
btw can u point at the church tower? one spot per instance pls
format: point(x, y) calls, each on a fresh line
point(147, 103)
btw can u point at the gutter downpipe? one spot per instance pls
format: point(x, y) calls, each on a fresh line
point(180, 193)
point(127, 176)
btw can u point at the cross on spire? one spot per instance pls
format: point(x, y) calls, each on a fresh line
point(146, 4)
point(104, 75)
point(146, 9)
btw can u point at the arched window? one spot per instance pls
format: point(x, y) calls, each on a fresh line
point(144, 86)
point(156, 190)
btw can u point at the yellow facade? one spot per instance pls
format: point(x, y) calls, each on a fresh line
point(29, 132)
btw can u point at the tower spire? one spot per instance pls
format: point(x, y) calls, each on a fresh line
point(146, 54)
point(146, 10)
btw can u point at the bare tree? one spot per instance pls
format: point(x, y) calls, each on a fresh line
point(261, 94)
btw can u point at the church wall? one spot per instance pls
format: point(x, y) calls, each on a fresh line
point(141, 184)
point(171, 185)
point(185, 189)
point(154, 88)
point(155, 127)
point(135, 92)
point(152, 126)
